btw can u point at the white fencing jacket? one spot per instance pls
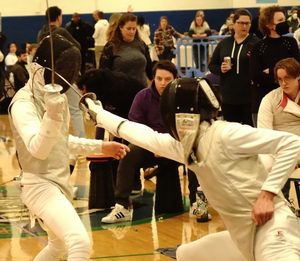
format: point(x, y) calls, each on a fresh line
point(43, 144)
point(230, 173)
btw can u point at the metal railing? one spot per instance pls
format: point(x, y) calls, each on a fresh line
point(192, 54)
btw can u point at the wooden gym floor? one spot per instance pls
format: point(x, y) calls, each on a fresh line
point(137, 240)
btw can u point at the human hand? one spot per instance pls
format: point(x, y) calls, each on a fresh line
point(263, 208)
point(225, 67)
point(90, 106)
point(54, 104)
point(114, 149)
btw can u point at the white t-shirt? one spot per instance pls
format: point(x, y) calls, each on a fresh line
point(100, 32)
point(144, 33)
point(11, 59)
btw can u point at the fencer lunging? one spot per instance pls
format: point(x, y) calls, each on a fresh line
point(225, 156)
point(40, 125)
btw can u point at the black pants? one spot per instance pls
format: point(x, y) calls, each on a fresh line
point(168, 191)
point(238, 113)
point(167, 54)
point(193, 185)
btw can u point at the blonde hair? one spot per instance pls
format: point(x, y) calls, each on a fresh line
point(113, 24)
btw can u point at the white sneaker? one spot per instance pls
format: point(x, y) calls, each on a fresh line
point(194, 211)
point(118, 214)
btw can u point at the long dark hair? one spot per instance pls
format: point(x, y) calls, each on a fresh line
point(117, 38)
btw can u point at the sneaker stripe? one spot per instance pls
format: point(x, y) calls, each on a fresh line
point(119, 215)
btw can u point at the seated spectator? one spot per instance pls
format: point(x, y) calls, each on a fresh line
point(280, 109)
point(19, 70)
point(145, 109)
point(11, 58)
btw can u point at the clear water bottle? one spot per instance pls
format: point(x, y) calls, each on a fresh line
point(202, 209)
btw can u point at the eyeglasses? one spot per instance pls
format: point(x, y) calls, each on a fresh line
point(243, 23)
point(286, 80)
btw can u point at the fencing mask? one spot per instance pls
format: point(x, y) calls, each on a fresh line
point(67, 60)
point(184, 103)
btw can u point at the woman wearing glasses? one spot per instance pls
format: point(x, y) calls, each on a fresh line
point(230, 60)
point(279, 109)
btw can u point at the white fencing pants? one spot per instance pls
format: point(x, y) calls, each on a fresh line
point(66, 232)
point(216, 246)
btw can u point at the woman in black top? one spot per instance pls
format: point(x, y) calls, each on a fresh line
point(267, 52)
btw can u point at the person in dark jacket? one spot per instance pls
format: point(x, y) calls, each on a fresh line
point(82, 33)
point(53, 17)
point(19, 70)
point(235, 81)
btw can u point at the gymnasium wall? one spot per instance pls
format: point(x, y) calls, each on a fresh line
point(21, 22)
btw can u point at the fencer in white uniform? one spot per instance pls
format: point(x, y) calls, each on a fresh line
point(40, 125)
point(260, 225)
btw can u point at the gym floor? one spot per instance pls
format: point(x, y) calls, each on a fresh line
point(147, 237)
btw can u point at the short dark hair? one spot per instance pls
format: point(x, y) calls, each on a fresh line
point(165, 65)
point(19, 52)
point(240, 12)
point(54, 13)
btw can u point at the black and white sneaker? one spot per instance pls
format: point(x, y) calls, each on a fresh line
point(118, 214)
